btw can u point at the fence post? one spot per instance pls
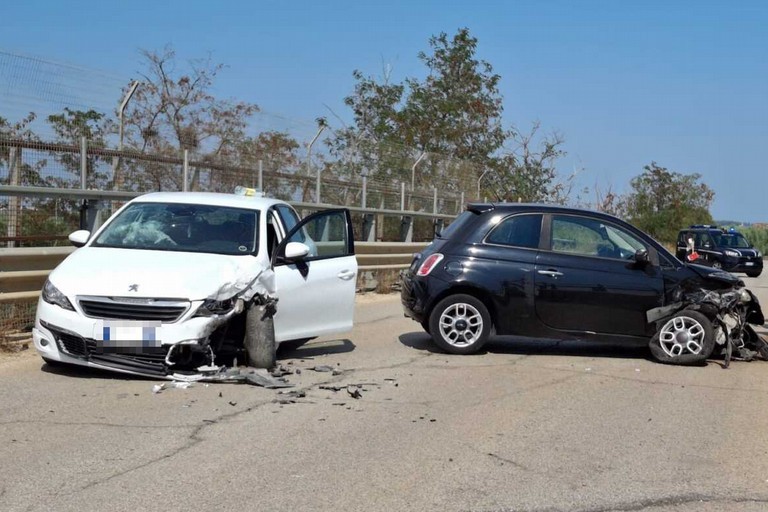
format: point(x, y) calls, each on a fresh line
point(317, 187)
point(14, 202)
point(402, 196)
point(261, 177)
point(185, 172)
point(461, 203)
point(434, 199)
point(365, 191)
point(83, 162)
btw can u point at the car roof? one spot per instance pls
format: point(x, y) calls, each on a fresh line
point(533, 207)
point(209, 198)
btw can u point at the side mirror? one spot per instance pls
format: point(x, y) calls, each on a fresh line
point(641, 256)
point(80, 237)
point(295, 251)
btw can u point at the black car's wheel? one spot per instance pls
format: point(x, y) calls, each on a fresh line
point(754, 274)
point(460, 324)
point(686, 338)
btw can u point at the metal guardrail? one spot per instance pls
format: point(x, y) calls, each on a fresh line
point(23, 271)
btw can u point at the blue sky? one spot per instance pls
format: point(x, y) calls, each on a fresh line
point(682, 83)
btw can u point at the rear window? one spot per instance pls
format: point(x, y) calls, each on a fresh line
point(456, 225)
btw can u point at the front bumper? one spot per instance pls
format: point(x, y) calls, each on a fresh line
point(745, 265)
point(69, 337)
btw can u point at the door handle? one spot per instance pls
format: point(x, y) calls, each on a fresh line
point(346, 275)
point(550, 273)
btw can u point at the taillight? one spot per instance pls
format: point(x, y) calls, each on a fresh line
point(429, 263)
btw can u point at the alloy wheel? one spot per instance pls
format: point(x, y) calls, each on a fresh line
point(461, 324)
point(682, 335)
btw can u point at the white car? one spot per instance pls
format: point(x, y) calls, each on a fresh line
point(175, 281)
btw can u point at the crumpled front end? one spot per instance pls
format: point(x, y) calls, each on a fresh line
point(730, 309)
point(153, 336)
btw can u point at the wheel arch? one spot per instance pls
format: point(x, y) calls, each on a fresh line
point(482, 295)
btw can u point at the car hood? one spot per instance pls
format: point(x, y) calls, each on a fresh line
point(713, 274)
point(161, 274)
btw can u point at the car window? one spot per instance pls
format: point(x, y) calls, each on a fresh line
point(183, 227)
point(287, 215)
point(456, 225)
point(592, 237)
point(735, 240)
point(517, 231)
point(326, 236)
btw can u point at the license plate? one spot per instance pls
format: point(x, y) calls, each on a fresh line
point(126, 334)
point(749, 263)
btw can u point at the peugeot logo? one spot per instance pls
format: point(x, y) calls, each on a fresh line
point(133, 288)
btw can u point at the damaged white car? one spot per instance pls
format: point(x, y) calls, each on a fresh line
point(178, 281)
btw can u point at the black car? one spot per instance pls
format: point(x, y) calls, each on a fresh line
point(719, 248)
point(564, 273)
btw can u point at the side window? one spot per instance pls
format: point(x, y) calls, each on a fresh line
point(592, 237)
point(325, 235)
point(517, 231)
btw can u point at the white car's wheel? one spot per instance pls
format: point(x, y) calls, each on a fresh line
point(259, 342)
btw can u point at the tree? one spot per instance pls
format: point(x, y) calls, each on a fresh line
point(661, 201)
point(527, 173)
point(173, 111)
point(454, 116)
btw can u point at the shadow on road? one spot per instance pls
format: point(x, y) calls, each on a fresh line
point(540, 347)
point(314, 349)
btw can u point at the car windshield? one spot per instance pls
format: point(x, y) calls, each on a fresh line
point(183, 227)
point(735, 240)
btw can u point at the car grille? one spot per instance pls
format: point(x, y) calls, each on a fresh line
point(70, 344)
point(119, 308)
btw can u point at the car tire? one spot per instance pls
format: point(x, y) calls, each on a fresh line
point(687, 338)
point(754, 274)
point(460, 324)
point(259, 339)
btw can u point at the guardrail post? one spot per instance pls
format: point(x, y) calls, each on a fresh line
point(402, 196)
point(317, 187)
point(369, 227)
point(365, 192)
point(406, 229)
point(434, 199)
point(185, 172)
point(83, 162)
point(261, 176)
point(438, 226)
point(461, 203)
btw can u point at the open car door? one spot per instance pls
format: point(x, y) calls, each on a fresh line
point(315, 277)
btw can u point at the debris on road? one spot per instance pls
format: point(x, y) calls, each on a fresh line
point(354, 391)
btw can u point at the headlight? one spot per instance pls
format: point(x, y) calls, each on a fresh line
point(52, 295)
point(732, 254)
point(759, 254)
point(215, 307)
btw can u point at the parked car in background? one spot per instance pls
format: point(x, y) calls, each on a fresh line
point(172, 282)
point(719, 248)
point(554, 272)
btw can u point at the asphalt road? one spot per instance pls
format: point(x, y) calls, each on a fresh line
point(523, 426)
